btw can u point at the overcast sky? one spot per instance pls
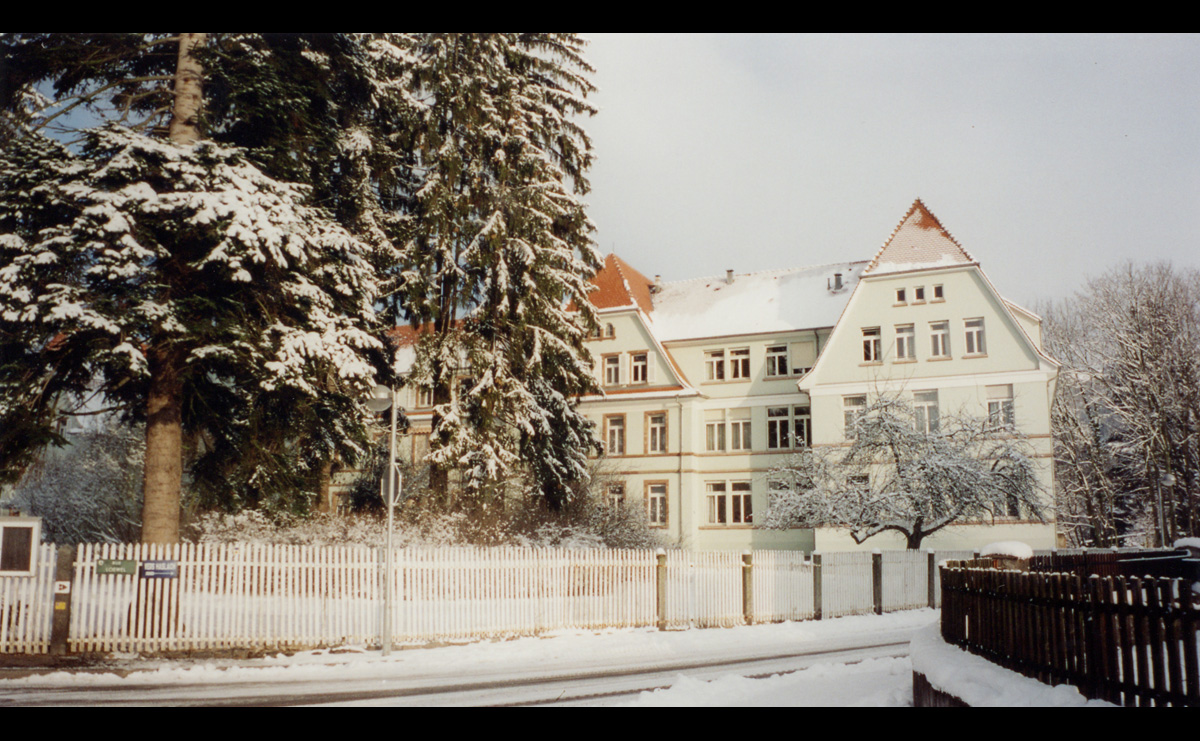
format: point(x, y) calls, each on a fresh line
point(1049, 158)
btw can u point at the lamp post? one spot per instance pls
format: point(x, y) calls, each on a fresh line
point(382, 399)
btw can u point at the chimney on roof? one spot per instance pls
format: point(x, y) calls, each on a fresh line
point(728, 276)
point(837, 281)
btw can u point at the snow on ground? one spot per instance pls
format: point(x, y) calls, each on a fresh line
point(869, 683)
point(873, 682)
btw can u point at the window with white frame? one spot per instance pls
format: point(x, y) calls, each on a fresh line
point(640, 363)
point(905, 349)
point(714, 430)
point(1000, 406)
point(919, 295)
point(610, 331)
point(739, 363)
point(804, 354)
point(788, 427)
point(739, 429)
point(729, 503)
point(20, 538)
point(939, 294)
point(871, 345)
point(853, 408)
point(614, 434)
point(612, 370)
point(900, 296)
point(939, 339)
point(714, 365)
point(656, 432)
point(975, 343)
point(424, 396)
point(656, 503)
point(777, 361)
point(925, 410)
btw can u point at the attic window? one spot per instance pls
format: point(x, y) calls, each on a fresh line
point(919, 294)
point(610, 331)
point(900, 296)
point(937, 294)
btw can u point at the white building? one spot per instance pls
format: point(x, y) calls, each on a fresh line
point(710, 383)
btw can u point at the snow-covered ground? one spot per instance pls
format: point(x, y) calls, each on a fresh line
point(852, 661)
point(883, 681)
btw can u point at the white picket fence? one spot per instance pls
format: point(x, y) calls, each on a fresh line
point(242, 596)
point(27, 607)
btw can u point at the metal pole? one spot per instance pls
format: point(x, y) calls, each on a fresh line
point(391, 504)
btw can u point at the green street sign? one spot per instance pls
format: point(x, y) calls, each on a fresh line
point(114, 566)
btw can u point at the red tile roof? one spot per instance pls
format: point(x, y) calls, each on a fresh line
point(619, 284)
point(919, 241)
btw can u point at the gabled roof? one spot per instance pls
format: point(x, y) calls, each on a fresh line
point(919, 242)
point(619, 285)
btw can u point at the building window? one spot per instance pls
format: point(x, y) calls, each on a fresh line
point(614, 434)
point(871, 345)
point(804, 354)
point(656, 432)
point(853, 408)
point(612, 370)
point(904, 342)
point(739, 429)
point(938, 295)
point(656, 504)
point(788, 427)
point(729, 503)
point(714, 365)
point(801, 426)
point(777, 361)
point(610, 331)
point(939, 339)
point(639, 367)
point(975, 344)
point(424, 396)
point(739, 363)
point(465, 384)
point(925, 409)
point(714, 431)
point(900, 296)
point(919, 295)
point(1000, 406)
point(616, 495)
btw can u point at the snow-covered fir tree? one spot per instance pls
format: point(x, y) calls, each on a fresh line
point(198, 292)
point(495, 265)
point(909, 475)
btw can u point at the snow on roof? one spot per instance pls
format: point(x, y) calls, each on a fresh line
point(768, 301)
point(1007, 548)
point(919, 242)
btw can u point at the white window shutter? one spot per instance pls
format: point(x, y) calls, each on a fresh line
point(625, 368)
point(651, 367)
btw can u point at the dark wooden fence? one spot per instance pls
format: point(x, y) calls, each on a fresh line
point(1128, 640)
point(1126, 562)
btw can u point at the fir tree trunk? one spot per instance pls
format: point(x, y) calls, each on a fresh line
point(163, 489)
point(164, 452)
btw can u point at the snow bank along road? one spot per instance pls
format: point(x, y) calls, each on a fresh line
point(561, 668)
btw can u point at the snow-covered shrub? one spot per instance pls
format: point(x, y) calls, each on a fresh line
point(91, 490)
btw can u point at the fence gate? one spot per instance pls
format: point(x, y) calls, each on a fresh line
point(27, 607)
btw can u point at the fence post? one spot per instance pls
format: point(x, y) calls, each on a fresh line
point(816, 562)
point(60, 626)
point(748, 588)
point(877, 580)
point(931, 579)
point(662, 589)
